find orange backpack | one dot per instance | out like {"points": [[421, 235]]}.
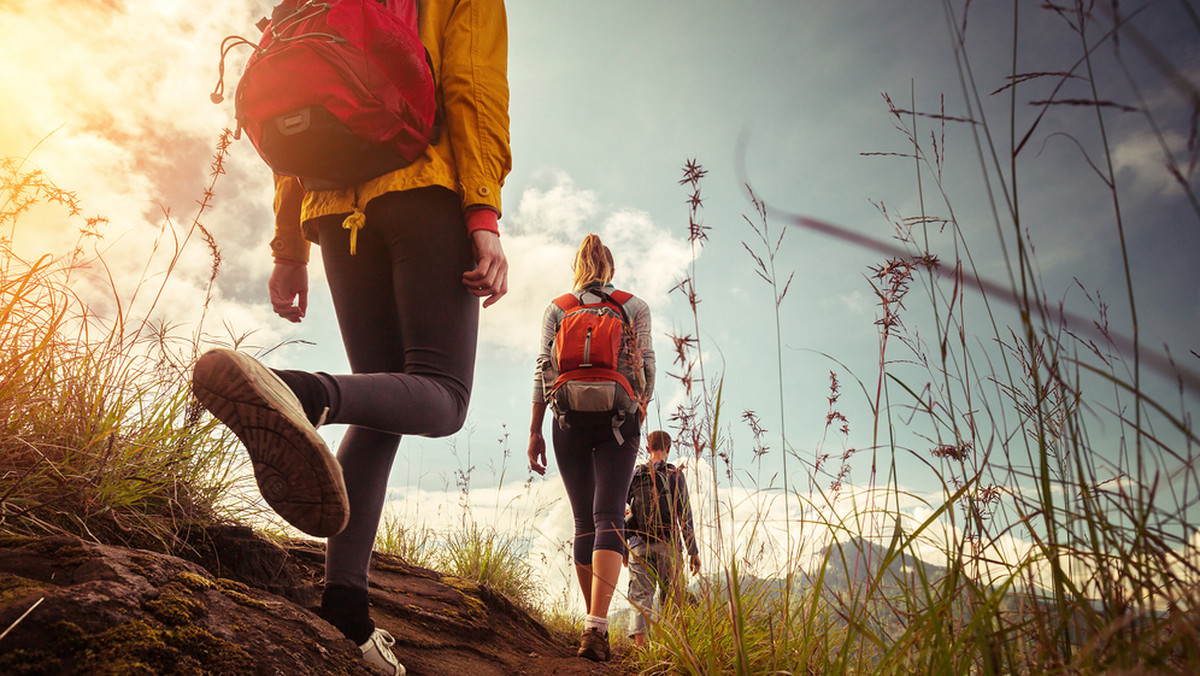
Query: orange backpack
{"points": [[590, 388]]}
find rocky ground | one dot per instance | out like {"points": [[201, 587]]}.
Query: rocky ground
{"points": [[244, 605]]}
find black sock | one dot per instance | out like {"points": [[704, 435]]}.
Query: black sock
{"points": [[348, 609], [310, 389]]}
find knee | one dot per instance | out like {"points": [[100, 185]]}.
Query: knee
{"points": [[452, 420], [449, 425]]}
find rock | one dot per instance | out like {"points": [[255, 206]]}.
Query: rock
{"points": [[238, 553], [248, 610], [108, 610]]}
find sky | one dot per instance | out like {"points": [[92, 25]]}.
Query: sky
{"points": [[609, 101]]}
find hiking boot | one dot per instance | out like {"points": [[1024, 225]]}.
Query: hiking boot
{"points": [[297, 475], [594, 645], [377, 651]]}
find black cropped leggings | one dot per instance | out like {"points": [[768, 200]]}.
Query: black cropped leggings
{"points": [[409, 327], [596, 472]]}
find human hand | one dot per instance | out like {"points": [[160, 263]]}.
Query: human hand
{"points": [[694, 560], [489, 279], [288, 289], [537, 453]]}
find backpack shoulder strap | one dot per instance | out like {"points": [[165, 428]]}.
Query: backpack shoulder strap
{"points": [[617, 299], [621, 297], [566, 301]]}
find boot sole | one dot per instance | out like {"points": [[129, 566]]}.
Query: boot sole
{"points": [[296, 474]]}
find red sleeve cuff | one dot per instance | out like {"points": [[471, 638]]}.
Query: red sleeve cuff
{"points": [[483, 218]]}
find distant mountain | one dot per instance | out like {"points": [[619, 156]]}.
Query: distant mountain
{"points": [[856, 562]]}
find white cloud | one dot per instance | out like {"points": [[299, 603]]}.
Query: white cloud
{"points": [[557, 211], [1139, 159], [648, 258], [121, 90], [855, 302], [540, 240]]}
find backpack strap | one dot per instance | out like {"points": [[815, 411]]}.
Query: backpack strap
{"points": [[617, 299], [566, 301], [621, 297]]}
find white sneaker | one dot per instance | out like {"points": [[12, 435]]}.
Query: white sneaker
{"points": [[297, 475], [377, 651]]}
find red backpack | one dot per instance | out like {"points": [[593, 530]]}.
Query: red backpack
{"points": [[336, 93], [590, 389]]}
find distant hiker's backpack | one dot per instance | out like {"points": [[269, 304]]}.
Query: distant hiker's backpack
{"points": [[590, 390], [336, 92], [651, 512]]}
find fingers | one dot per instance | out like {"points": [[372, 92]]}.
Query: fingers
{"points": [[489, 279], [282, 304], [537, 462], [537, 455], [538, 467], [288, 289], [497, 290]]}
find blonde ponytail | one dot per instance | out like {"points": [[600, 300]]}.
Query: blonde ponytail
{"points": [[593, 262]]}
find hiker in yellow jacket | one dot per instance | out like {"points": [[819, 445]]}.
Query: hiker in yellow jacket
{"points": [[407, 256]]}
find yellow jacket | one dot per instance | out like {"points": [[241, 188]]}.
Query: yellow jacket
{"points": [[467, 42]]}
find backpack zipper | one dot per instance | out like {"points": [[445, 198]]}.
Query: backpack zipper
{"points": [[587, 349]]}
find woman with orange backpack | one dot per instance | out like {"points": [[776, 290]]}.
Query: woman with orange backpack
{"points": [[595, 370]]}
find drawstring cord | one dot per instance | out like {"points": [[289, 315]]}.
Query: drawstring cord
{"points": [[278, 36], [227, 45], [354, 222]]}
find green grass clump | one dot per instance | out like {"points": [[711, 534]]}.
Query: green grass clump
{"points": [[412, 542], [492, 558], [99, 434]]}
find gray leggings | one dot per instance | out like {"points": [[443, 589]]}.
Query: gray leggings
{"points": [[409, 327]]}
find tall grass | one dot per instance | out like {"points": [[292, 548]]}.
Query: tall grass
{"points": [[99, 434], [1060, 540]]}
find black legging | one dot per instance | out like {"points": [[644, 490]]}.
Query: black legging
{"points": [[409, 327], [596, 472]]}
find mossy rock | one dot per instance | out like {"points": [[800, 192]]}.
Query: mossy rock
{"points": [[66, 552], [387, 566], [244, 600], [232, 585], [130, 648], [15, 587], [29, 663], [470, 594], [193, 581], [174, 605]]}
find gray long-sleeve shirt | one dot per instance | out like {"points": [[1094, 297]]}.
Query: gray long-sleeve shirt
{"points": [[636, 362]]}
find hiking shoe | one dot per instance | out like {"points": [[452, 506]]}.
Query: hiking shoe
{"points": [[594, 645], [377, 651], [297, 475]]}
